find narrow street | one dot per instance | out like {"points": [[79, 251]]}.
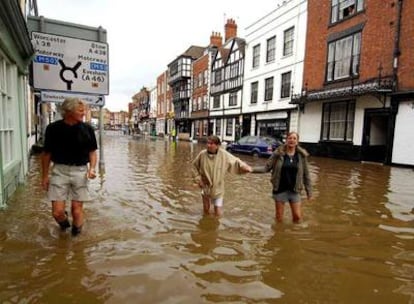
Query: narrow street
{"points": [[145, 239]]}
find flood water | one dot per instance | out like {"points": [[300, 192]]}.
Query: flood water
{"points": [[145, 239]]}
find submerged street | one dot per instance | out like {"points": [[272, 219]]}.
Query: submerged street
{"points": [[145, 239]]}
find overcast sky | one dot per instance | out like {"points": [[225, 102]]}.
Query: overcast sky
{"points": [[145, 36]]}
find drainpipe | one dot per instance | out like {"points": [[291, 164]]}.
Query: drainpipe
{"points": [[397, 51]]}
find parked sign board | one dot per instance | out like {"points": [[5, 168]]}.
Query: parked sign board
{"points": [[69, 64]]}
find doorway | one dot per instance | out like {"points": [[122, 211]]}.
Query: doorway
{"points": [[375, 135], [246, 125]]}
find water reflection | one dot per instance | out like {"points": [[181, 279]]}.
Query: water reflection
{"points": [[400, 199], [205, 238], [145, 239]]}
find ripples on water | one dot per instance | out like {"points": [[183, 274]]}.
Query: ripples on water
{"points": [[145, 240]]}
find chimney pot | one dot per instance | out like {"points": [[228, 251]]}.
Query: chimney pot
{"points": [[230, 29]]}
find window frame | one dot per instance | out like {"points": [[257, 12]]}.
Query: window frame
{"points": [[232, 99], [216, 102], [269, 85], [349, 8], [229, 126], [9, 82], [256, 56], [254, 92], [218, 126], [285, 86], [218, 76], [333, 60], [271, 49], [288, 41], [336, 122]]}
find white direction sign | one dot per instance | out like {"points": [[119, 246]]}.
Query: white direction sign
{"points": [[69, 64], [59, 97]]}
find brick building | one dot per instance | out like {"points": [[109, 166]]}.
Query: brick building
{"points": [[355, 65], [141, 110], [201, 89]]}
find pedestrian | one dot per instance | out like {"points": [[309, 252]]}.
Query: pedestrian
{"points": [[209, 169], [174, 134], [70, 144], [290, 175]]}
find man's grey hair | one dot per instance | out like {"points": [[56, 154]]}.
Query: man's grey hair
{"points": [[70, 105]]}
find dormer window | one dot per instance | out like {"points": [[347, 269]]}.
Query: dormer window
{"points": [[345, 8]]}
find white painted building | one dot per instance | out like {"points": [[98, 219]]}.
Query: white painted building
{"points": [[153, 109], [274, 55], [15, 55], [403, 147]]}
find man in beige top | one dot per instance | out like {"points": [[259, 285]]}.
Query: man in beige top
{"points": [[209, 169]]}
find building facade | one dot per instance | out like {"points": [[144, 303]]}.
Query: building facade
{"points": [[200, 114], [161, 124], [179, 80], [226, 86], [274, 70], [350, 74], [141, 106], [16, 52], [403, 97]]}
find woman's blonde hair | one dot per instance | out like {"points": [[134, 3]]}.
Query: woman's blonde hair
{"points": [[291, 133], [70, 105]]}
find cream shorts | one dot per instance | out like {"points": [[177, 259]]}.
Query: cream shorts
{"points": [[69, 183], [218, 202]]}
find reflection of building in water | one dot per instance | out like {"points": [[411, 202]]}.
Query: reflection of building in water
{"points": [[400, 194]]}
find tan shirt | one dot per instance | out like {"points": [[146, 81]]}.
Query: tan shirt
{"points": [[212, 168]]}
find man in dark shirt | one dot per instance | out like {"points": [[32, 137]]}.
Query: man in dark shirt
{"points": [[70, 144]]}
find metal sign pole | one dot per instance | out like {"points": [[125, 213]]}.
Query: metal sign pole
{"points": [[101, 131]]}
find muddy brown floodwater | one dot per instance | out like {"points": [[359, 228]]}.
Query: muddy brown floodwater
{"points": [[145, 239]]}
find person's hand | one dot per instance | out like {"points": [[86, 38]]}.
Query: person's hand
{"points": [[246, 168], [45, 183], [91, 173]]}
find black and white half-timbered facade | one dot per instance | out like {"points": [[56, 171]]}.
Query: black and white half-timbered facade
{"points": [[226, 86], [180, 71]]}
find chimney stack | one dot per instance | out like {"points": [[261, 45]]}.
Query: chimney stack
{"points": [[216, 39], [230, 29]]}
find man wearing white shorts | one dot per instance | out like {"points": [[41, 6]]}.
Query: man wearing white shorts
{"points": [[71, 145]]}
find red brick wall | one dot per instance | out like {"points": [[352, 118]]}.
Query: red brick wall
{"points": [[200, 66], [406, 62], [380, 19], [161, 97]]}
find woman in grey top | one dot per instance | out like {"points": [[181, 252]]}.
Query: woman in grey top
{"points": [[290, 175]]}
